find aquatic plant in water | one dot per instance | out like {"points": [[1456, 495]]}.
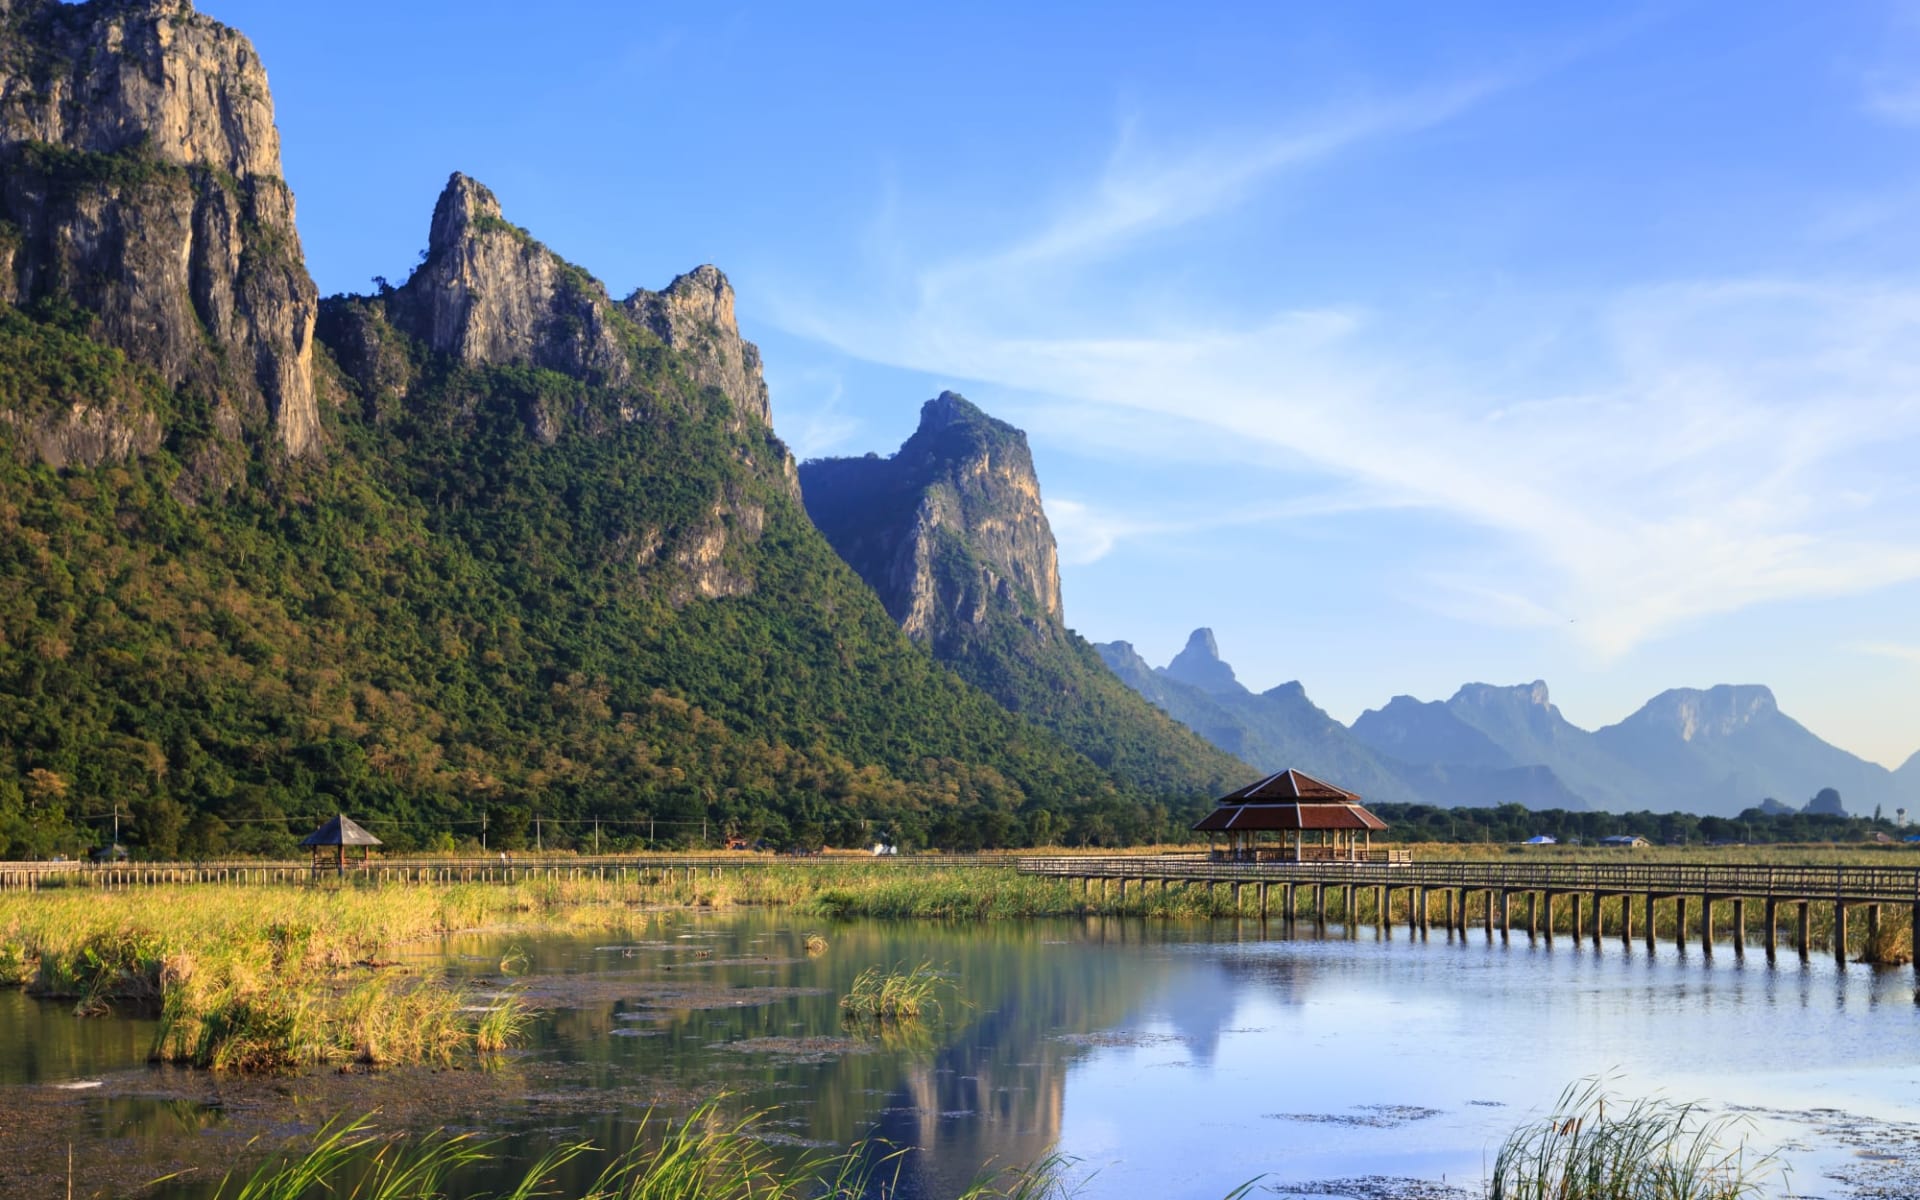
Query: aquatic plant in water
{"points": [[893, 995], [1596, 1147]]}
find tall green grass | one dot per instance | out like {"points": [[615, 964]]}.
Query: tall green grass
{"points": [[1594, 1147], [897, 994], [702, 1156]]}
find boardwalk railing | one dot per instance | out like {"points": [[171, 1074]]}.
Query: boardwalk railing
{"points": [[1859, 885], [514, 868], [1590, 891]]}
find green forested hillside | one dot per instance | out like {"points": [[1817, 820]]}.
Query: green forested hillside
{"points": [[444, 616]]}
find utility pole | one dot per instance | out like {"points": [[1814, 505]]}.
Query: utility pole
{"points": [[538, 846], [483, 831], [596, 837]]}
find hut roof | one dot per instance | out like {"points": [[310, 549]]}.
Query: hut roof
{"points": [[1268, 818], [341, 831], [1288, 800], [1291, 786]]}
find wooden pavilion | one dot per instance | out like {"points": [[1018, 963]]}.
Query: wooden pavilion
{"points": [[1290, 802], [330, 842]]}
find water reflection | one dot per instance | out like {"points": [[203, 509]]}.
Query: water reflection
{"points": [[1178, 1060]]}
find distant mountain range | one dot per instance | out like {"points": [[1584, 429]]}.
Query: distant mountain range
{"points": [[1715, 751]]}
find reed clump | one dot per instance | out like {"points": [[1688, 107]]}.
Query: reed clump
{"points": [[1891, 945], [897, 994], [1595, 1147]]}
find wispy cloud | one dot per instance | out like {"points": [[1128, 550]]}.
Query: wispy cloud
{"points": [[1088, 532], [1730, 445], [1897, 651]]}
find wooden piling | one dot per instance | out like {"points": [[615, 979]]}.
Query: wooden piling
{"points": [[1740, 926], [1840, 933], [1806, 927], [1680, 922], [1706, 925]]}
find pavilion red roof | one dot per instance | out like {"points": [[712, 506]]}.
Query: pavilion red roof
{"points": [[1293, 786], [1288, 800]]}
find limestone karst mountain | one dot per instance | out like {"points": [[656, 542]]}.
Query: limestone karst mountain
{"points": [[488, 543], [1716, 749], [140, 182], [1281, 726], [950, 532]]}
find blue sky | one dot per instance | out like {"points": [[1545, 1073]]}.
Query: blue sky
{"points": [[1402, 344]]}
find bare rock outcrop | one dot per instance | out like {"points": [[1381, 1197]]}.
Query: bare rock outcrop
{"points": [[950, 530], [694, 315], [140, 180]]}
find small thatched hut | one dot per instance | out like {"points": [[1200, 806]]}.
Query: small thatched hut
{"points": [[330, 842]]}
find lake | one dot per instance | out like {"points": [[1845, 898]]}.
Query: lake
{"points": [[1168, 1059]]}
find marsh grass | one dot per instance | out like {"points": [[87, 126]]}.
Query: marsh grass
{"points": [[897, 994], [703, 1156], [1594, 1147], [290, 977]]}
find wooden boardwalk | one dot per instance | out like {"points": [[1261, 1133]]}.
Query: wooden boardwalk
{"points": [[1582, 899], [519, 868]]}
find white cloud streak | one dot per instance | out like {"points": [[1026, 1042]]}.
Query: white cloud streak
{"points": [[1734, 452]]}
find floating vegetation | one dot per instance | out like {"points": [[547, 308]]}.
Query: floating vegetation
{"points": [[816, 944], [1644, 1149], [1363, 1116]]}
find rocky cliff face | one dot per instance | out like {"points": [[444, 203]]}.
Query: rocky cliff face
{"points": [[694, 315], [950, 530], [1717, 712], [951, 533], [488, 295], [140, 180]]}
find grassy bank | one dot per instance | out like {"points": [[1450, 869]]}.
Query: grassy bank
{"points": [[270, 978]]}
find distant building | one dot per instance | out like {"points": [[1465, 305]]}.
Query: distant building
{"points": [[1541, 839], [1625, 839]]}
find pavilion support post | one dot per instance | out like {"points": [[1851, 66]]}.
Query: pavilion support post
{"points": [[1706, 924], [1873, 925], [1626, 921], [1840, 933], [1680, 922], [1770, 913], [1263, 900], [1380, 910], [1806, 928], [1449, 908], [1235, 891], [1487, 916], [1740, 926], [1506, 914], [1579, 916], [1599, 917], [1650, 923], [1319, 904], [1549, 898]]}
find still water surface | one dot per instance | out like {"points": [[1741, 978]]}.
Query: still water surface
{"points": [[1173, 1060]]}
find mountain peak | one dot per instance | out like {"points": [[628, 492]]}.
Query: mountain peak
{"points": [[463, 203], [694, 314], [1199, 664], [950, 529], [1717, 711]]}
